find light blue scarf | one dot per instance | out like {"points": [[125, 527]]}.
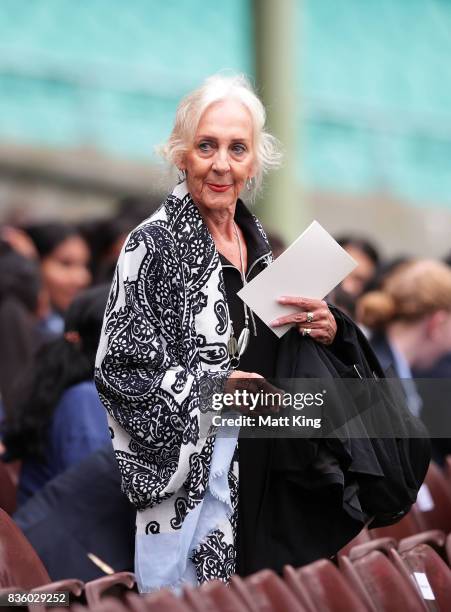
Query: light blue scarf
{"points": [[163, 559]]}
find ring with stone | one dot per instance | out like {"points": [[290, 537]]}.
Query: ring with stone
{"points": [[310, 317], [306, 331]]}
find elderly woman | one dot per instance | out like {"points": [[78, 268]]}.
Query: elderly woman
{"points": [[175, 333]]}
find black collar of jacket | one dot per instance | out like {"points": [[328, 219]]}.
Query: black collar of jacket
{"points": [[257, 245]]}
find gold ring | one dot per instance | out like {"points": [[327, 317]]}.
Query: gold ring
{"points": [[310, 317], [306, 331]]}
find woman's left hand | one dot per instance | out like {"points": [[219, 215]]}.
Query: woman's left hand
{"points": [[313, 318]]}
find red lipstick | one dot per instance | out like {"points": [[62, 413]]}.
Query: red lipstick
{"points": [[218, 188]]}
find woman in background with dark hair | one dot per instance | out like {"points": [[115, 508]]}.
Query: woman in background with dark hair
{"points": [[105, 238], [64, 256], [60, 419], [356, 283], [19, 289]]}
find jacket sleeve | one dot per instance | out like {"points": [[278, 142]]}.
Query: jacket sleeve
{"points": [[148, 373], [79, 426]]}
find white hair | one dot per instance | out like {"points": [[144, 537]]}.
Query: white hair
{"points": [[215, 89]]}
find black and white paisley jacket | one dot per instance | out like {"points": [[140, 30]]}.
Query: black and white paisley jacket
{"points": [[162, 355]]}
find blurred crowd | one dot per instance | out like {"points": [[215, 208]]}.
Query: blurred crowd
{"points": [[54, 283], [54, 437]]}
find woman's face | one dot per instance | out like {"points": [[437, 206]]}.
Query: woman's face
{"points": [[355, 282], [221, 157], [65, 271]]}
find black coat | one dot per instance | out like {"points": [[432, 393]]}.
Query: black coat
{"points": [[311, 496]]}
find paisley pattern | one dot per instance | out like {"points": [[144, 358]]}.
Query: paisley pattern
{"points": [[181, 510], [214, 559], [162, 356], [153, 527], [221, 315]]}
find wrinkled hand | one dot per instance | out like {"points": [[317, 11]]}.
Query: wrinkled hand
{"points": [[312, 318], [257, 386]]}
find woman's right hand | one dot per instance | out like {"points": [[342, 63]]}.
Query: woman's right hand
{"points": [[240, 374], [248, 385]]}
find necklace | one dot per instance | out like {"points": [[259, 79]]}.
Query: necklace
{"points": [[237, 347]]}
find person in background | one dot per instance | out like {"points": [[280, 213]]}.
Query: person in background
{"points": [[410, 315], [64, 257], [105, 238], [19, 289], [410, 319], [354, 285], [277, 244], [97, 530], [137, 207], [59, 419], [442, 367], [438, 374], [19, 241]]}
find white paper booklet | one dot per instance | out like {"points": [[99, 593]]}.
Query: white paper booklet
{"points": [[311, 267]]}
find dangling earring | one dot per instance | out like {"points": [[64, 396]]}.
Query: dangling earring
{"points": [[181, 175], [250, 183]]}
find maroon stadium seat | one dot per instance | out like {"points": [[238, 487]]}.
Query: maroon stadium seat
{"points": [[382, 586], [107, 604], [448, 548], [266, 591], [424, 560], [439, 515], [21, 567], [8, 490], [435, 538], [382, 544], [320, 586], [161, 601], [13, 468], [447, 469], [116, 584], [214, 595]]}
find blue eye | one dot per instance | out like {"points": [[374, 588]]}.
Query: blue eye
{"points": [[239, 148], [204, 146]]}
